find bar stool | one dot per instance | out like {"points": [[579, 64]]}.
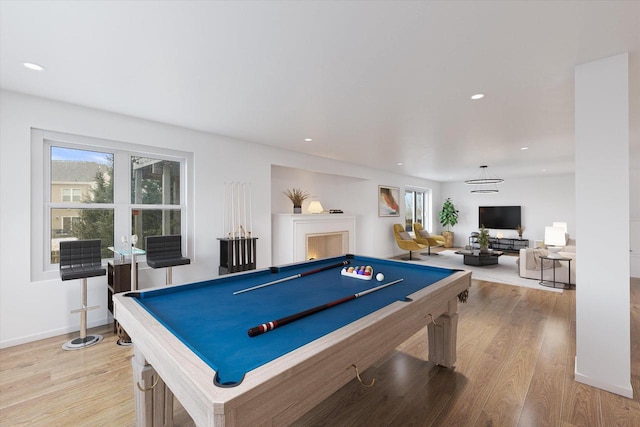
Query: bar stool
{"points": [[80, 259], [165, 252]]}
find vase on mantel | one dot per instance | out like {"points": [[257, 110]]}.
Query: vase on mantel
{"points": [[297, 209]]}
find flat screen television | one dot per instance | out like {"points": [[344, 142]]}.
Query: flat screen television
{"points": [[499, 217]]}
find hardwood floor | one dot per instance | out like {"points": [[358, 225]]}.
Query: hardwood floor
{"points": [[515, 366]]}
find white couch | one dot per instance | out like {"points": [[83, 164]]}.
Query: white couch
{"points": [[529, 264]]}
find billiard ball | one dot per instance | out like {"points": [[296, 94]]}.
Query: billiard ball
{"points": [[379, 277]]}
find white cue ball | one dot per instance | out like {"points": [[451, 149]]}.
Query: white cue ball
{"points": [[379, 277]]}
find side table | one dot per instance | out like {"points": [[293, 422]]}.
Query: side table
{"points": [[553, 282], [117, 282]]}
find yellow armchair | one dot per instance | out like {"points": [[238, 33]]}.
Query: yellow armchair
{"points": [[405, 242], [433, 240]]}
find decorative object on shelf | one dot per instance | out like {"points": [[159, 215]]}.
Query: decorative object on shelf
{"points": [[484, 182], [315, 207], [520, 230], [483, 239], [448, 217], [237, 218], [297, 196], [388, 201]]}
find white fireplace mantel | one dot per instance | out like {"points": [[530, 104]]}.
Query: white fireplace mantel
{"points": [[289, 232]]}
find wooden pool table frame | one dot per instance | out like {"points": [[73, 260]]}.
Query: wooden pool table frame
{"points": [[282, 390]]}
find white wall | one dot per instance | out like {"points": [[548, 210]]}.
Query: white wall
{"points": [[34, 310], [354, 190], [603, 350], [543, 199]]}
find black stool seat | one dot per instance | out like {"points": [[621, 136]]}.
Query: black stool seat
{"points": [[71, 272], [80, 259], [165, 252], [167, 262]]}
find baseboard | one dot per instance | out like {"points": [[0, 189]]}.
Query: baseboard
{"points": [[51, 333], [585, 379]]}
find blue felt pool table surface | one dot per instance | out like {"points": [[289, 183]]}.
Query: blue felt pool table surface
{"points": [[213, 322]]}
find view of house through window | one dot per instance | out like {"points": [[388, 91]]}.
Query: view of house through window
{"points": [[415, 208], [81, 197], [82, 200]]}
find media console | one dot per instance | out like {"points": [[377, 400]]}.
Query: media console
{"points": [[502, 244]]}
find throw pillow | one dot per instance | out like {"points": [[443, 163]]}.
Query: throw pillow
{"points": [[423, 233], [405, 236]]}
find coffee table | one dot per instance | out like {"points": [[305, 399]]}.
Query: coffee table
{"points": [[479, 258]]}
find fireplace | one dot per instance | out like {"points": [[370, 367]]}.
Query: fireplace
{"points": [[324, 245], [299, 237]]}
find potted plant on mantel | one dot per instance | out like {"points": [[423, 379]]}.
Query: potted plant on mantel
{"points": [[448, 218], [297, 196], [483, 239]]}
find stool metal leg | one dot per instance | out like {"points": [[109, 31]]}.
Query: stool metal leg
{"points": [[169, 278], [84, 340]]}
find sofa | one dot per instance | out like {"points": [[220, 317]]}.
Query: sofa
{"points": [[529, 264]]}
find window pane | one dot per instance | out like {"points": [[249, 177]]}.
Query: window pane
{"points": [[81, 176], [420, 208], [154, 222], [81, 224], [408, 212], [155, 182]]}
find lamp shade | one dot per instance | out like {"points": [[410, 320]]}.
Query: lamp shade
{"points": [[315, 207], [554, 236], [562, 225]]}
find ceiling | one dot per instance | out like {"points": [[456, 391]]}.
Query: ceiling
{"points": [[372, 83]]}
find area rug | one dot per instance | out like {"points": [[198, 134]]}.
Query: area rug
{"points": [[506, 271]]}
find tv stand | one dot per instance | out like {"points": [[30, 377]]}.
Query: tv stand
{"points": [[503, 244]]}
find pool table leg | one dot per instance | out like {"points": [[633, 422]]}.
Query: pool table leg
{"points": [[153, 399], [443, 337]]}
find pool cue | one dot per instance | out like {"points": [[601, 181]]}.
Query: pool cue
{"points": [[266, 327], [295, 276]]}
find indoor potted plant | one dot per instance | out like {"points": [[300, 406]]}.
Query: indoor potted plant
{"points": [[297, 196], [448, 218], [483, 239]]}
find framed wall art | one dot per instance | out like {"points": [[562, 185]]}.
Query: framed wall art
{"points": [[388, 201]]}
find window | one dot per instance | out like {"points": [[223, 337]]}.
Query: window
{"points": [[155, 194], [85, 211], [416, 208], [71, 194], [97, 189]]}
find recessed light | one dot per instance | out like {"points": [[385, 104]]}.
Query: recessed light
{"points": [[32, 66], [308, 139], [477, 96], [543, 170], [399, 163], [524, 148]]}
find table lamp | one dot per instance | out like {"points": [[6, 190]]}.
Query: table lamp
{"points": [[555, 239], [315, 207]]}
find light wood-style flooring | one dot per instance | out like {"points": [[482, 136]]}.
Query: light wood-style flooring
{"points": [[516, 349]]}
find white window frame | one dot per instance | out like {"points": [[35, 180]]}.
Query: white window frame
{"points": [[41, 142]]}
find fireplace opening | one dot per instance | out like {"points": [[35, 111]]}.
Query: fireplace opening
{"points": [[324, 245]]}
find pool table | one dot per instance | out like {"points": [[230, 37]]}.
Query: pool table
{"points": [[194, 339]]}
